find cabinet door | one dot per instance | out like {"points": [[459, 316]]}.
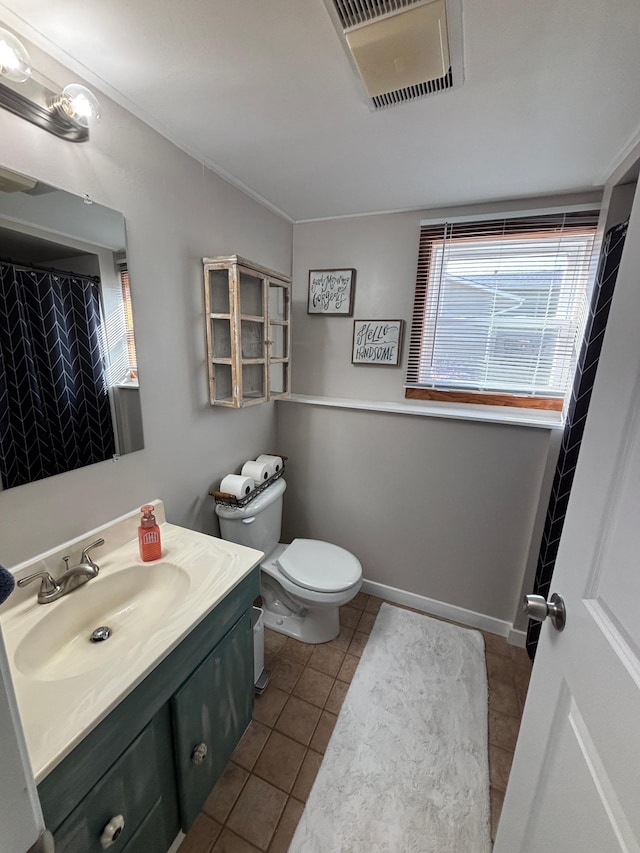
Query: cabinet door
{"points": [[279, 340], [210, 713], [150, 835], [220, 289], [251, 336], [140, 779]]}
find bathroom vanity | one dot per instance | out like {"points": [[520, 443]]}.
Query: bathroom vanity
{"points": [[126, 742]]}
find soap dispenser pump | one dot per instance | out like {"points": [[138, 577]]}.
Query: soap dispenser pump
{"points": [[149, 535]]}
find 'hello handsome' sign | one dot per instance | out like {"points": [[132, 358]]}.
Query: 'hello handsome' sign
{"points": [[377, 341]]}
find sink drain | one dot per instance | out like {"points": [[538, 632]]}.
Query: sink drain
{"points": [[101, 634]]}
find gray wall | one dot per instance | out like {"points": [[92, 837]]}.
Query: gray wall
{"points": [[176, 212], [384, 251], [439, 507]]}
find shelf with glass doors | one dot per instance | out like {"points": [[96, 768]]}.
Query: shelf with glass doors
{"points": [[248, 309]]}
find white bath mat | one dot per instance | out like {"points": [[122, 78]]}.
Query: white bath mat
{"points": [[407, 766]]}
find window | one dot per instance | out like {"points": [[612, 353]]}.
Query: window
{"points": [[499, 310]]}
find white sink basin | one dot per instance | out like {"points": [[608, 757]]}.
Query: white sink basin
{"points": [[133, 602]]}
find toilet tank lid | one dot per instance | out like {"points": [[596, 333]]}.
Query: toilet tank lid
{"points": [[268, 496], [320, 566]]}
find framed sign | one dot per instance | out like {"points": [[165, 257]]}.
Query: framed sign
{"points": [[331, 292], [377, 342]]}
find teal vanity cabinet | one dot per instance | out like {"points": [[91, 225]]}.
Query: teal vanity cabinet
{"points": [[145, 771]]}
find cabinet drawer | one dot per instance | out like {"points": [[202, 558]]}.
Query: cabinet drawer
{"points": [[210, 712], [130, 788]]}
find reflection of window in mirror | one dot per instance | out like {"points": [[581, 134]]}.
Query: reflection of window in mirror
{"points": [[121, 344], [132, 372]]}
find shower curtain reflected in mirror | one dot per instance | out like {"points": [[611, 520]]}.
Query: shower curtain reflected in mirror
{"points": [[55, 412]]}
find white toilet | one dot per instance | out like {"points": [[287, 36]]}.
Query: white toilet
{"points": [[304, 584]]}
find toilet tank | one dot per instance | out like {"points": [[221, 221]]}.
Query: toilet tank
{"points": [[259, 523]]}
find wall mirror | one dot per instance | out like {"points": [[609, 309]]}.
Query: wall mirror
{"points": [[69, 390]]}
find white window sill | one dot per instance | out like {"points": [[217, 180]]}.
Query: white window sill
{"points": [[457, 411], [126, 383]]}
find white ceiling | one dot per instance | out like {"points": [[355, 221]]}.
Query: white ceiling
{"points": [[262, 91]]}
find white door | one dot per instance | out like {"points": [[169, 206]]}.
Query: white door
{"points": [[575, 781], [20, 816]]}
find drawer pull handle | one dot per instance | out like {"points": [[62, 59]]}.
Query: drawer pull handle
{"points": [[199, 753], [112, 832]]}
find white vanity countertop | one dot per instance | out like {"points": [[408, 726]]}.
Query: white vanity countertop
{"points": [[58, 705]]}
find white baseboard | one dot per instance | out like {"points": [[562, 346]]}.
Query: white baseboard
{"points": [[445, 611], [517, 638]]}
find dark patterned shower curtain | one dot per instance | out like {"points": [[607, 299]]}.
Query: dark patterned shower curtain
{"points": [[576, 417], [55, 413]]}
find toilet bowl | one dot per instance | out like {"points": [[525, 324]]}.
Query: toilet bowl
{"points": [[303, 584]]}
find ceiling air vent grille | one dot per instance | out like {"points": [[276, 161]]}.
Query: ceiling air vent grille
{"points": [[401, 49], [354, 12], [410, 93]]}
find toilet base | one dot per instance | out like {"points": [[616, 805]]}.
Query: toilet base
{"points": [[318, 625], [303, 618]]}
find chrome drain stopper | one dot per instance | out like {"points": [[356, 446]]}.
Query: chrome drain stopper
{"points": [[100, 634]]}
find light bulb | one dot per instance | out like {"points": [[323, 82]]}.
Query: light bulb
{"points": [[80, 104], [14, 59]]}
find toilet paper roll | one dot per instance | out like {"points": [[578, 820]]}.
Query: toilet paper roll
{"points": [[265, 460], [258, 471], [275, 461], [237, 485], [269, 466]]}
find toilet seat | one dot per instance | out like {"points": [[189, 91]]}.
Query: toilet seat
{"points": [[319, 566]]}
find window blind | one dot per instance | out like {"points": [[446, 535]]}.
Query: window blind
{"points": [[128, 319], [500, 308]]}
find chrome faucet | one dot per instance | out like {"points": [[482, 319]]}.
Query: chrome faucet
{"points": [[51, 590]]}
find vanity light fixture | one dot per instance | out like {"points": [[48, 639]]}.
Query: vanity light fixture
{"points": [[26, 93], [14, 59], [79, 104]]}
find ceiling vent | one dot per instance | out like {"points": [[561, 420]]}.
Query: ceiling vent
{"points": [[401, 49]]}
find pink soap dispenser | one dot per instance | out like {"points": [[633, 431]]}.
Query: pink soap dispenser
{"points": [[149, 535]]}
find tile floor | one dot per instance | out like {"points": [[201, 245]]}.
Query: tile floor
{"points": [[256, 804]]}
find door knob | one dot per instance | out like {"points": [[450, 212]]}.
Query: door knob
{"points": [[537, 607]]}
